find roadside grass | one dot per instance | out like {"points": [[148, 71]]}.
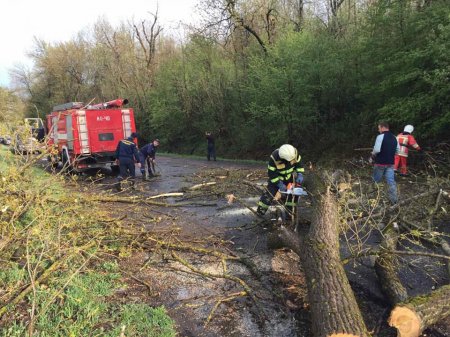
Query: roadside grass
{"points": [[59, 269]]}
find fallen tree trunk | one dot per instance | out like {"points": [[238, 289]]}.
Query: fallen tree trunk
{"points": [[412, 317], [333, 304], [386, 268], [409, 316], [334, 310]]}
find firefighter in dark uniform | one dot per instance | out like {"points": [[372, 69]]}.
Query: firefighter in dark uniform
{"points": [[127, 155], [284, 168], [147, 156]]}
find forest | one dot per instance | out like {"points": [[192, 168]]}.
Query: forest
{"points": [[260, 73]]}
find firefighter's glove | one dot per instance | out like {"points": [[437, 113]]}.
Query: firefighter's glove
{"points": [[281, 187], [299, 179]]}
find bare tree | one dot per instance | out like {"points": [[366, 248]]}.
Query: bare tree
{"points": [[224, 17]]}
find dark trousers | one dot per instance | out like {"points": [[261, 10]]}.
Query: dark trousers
{"points": [[146, 161], [211, 151], [126, 169]]}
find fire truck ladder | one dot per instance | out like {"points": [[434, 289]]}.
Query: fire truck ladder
{"points": [[126, 123], [83, 132]]}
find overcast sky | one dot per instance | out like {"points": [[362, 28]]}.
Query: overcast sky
{"points": [[60, 20]]}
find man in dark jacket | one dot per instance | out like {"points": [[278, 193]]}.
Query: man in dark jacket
{"points": [[147, 156], [284, 167], [127, 155], [211, 146], [383, 156]]}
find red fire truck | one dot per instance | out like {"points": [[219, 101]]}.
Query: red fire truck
{"points": [[85, 137]]}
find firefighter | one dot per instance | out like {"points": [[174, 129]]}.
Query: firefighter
{"points": [[405, 139], [126, 156], [147, 156], [284, 166]]}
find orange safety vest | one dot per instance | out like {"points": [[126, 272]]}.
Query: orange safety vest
{"points": [[404, 141]]}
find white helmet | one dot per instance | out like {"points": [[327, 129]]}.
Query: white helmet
{"points": [[408, 128], [287, 152]]}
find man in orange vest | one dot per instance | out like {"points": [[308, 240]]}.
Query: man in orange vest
{"points": [[405, 139]]}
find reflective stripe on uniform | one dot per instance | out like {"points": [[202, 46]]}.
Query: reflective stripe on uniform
{"points": [[263, 205], [279, 164], [274, 180], [300, 169], [287, 171], [271, 168]]}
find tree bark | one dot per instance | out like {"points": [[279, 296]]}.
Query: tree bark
{"points": [[412, 317], [333, 304], [334, 309], [386, 268]]}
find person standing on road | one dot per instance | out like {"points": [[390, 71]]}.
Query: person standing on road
{"points": [[383, 153], [211, 146], [405, 139], [126, 156], [284, 165], [147, 156]]}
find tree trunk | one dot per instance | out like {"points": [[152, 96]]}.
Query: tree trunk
{"points": [[418, 313], [386, 268], [334, 309], [333, 305]]}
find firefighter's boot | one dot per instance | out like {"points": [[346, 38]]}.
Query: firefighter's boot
{"points": [[261, 210], [118, 185]]}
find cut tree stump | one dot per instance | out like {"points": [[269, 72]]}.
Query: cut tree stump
{"points": [[418, 313]]}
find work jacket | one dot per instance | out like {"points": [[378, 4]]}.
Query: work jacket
{"points": [[385, 148], [282, 170], [406, 139], [126, 149], [149, 150]]}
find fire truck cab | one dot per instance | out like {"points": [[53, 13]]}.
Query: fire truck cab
{"points": [[85, 137]]}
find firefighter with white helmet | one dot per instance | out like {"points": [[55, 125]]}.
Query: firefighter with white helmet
{"points": [[284, 167], [405, 139]]}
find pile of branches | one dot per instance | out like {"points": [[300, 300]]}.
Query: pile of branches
{"points": [[351, 211]]}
